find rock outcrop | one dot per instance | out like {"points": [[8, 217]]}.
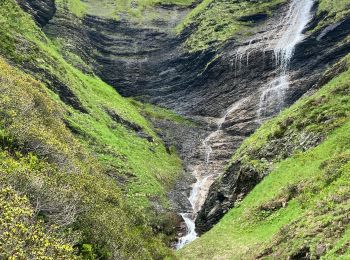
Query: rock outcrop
{"points": [[41, 10], [149, 62], [312, 57]]}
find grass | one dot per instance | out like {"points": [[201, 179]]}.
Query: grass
{"points": [[156, 112], [67, 186], [333, 11], [239, 234], [313, 184], [98, 128], [76, 7], [121, 148], [214, 22], [312, 117], [117, 9], [96, 144]]}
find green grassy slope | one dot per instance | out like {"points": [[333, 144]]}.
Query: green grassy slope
{"points": [[80, 143], [332, 11], [139, 10], [302, 206], [215, 22]]}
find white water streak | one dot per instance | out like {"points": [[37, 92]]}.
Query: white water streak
{"points": [[291, 26], [201, 187]]}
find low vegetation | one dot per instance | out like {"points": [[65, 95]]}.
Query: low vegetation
{"points": [[121, 9], [300, 208], [23, 236], [75, 150], [214, 22], [331, 12], [160, 113]]}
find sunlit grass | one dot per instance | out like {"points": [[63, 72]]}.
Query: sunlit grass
{"points": [[320, 175]]}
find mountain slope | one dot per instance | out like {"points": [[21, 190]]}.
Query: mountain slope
{"points": [[84, 147], [326, 40], [300, 210], [87, 173]]}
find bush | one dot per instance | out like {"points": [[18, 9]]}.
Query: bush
{"points": [[22, 236]]}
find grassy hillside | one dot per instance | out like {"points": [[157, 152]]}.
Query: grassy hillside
{"points": [[301, 208], [119, 9], [75, 149], [332, 12], [214, 22]]}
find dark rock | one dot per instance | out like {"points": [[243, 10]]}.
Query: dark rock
{"points": [[41, 10], [302, 254], [232, 186], [60, 88], [253, 18], [130, 125], [116, 117]]}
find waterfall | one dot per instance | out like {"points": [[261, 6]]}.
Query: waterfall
{"points": [[289, 34], [291, 28], [201, 186], [189, 218]]}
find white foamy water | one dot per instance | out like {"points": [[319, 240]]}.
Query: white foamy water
{"points": [[291, 28], [189, 218], [271, 99], [201, 187]]}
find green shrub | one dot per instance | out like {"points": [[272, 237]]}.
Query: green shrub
{"points": [[22, 236]]}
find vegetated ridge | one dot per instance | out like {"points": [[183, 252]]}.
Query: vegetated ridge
{"points": [[88, 173]]}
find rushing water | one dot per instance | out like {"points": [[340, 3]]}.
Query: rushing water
{"points": [[271, 101], [291, 27], [201, 186]]}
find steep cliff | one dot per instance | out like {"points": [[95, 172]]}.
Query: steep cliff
{"points": [[295, 168], [107, 174], [325, 43]]}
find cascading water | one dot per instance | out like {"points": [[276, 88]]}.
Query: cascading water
{"points": [[291, 27], [271, 101], [201, 186], [189, 218]]}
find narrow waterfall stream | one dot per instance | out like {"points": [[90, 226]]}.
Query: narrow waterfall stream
{"points": [[201, 187], [291, 28], [290, 33]]}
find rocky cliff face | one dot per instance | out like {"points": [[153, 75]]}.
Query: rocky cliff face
{"points": [[149, 62], [313, 56], [42, 11]]}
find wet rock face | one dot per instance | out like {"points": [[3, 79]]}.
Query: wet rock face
{"points": [[317, 53], [312, 57], [145, 62], [41, 10], [149, 62], [231, 187]]}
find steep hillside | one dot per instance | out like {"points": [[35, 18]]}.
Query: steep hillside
{"points": [[130, 127], [326, 30], [301, 209], [76, 149]]}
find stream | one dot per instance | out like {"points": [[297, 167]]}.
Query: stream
{"points": [[290, 33]]}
